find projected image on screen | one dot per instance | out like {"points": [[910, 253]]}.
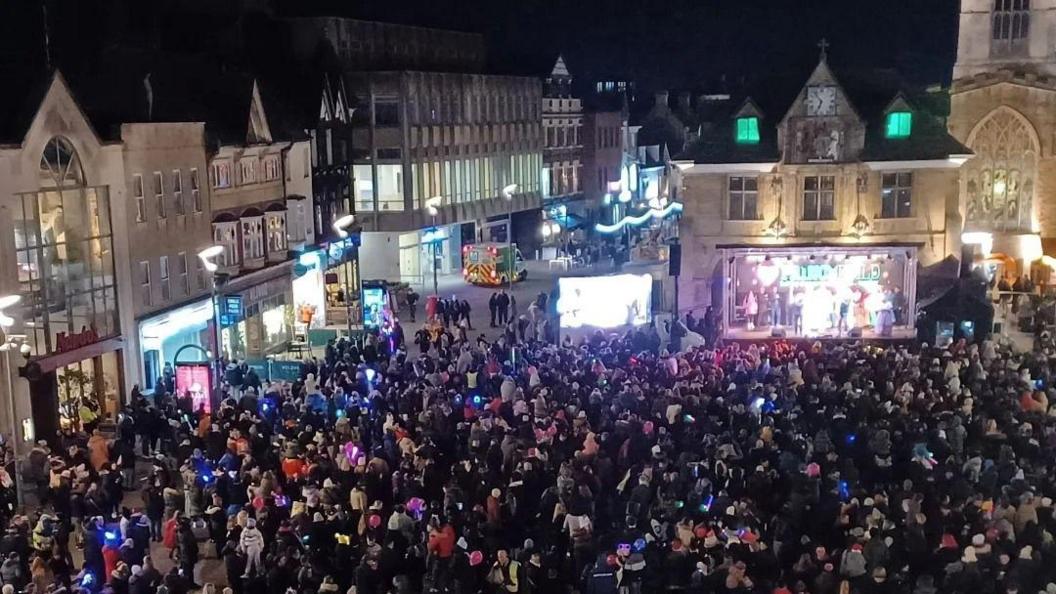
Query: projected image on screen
{"points": [[604, 301]]}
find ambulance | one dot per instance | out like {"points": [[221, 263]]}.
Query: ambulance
{"points": [[489, 264]]}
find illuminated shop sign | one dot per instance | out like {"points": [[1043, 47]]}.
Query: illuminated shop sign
{"points": [[820, 273]]}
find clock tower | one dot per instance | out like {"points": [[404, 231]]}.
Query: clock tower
{"points": [[821, 125]]}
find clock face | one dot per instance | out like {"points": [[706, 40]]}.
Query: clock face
{"points": [[821, 101]]}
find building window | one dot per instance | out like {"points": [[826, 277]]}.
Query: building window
{"points": [[177, 191], [226, 234], [163, 278], [744, 198], [271, 167], [1010, 26], [253, 238], [137, 193], [899, 124], [748, 130], [819, 195], [203, 278], [196, 194], [247, 169], [220, 174], [144, 283], [63, 252], [387, 112], [896, 194], [276, 233], [159, 193], [184, 269]]}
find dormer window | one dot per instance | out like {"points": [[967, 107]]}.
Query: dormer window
{"points": [[748, 130], [899, 124]]}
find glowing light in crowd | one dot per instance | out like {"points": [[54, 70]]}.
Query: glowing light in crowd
{"points": [[706, 506], [636, 221]]}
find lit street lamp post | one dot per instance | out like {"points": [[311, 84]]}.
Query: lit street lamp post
{"points": [[340, 227], [207, 257], [432, 205], [508, 193], [6, 322]]}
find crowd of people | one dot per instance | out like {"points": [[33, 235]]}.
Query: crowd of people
{"points": [[601, 465]]}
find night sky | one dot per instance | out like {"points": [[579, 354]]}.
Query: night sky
{"points": [[657, 43], [695, 42]]}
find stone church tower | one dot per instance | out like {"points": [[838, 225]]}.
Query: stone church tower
{"points": [[1003, 107]]}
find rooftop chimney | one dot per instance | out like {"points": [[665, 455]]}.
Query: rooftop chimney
{"points": [[661, 99], [683, 100]]}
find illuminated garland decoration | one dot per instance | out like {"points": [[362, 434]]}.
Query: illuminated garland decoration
{"points": [[653, 213]]}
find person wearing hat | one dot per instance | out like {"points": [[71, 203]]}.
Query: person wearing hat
{"points": [[251, 544]]}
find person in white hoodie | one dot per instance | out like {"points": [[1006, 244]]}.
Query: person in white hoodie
{"points": [[251, 543]]}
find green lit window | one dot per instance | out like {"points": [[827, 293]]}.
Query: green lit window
{"points": [[899, 124], [748, 130]]}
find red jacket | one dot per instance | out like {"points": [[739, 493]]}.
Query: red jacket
{"points": [[111, 556], [168, 533]]}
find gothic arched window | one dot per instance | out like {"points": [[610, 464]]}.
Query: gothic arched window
{"points": [[59, 164], [999, 179], [1009, 26]]}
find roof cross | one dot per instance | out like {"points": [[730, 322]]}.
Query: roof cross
{"points": [[824, 45]]}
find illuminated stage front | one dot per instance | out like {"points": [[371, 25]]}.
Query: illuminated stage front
{"points": [[819, 291]]}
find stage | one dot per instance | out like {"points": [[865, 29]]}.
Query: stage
{"points": [[819, 292]]}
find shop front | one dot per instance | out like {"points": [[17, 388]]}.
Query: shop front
{"points": [[434, 249], [819, 291], [165, 335], [326, 287], [78, 386], [342, 283], [257, 320]]}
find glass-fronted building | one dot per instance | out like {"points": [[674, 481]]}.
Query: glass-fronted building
{"points": [[64, 247]]}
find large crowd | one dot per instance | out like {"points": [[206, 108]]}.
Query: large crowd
{"points": [[600, 465]]}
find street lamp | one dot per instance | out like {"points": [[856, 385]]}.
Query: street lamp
{"points": [[207, 257], [6, 322], [433, 206], [340, 227], [343, 223], [508, 193]]}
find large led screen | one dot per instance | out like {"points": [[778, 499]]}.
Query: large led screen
{"points": [[604, 301]]}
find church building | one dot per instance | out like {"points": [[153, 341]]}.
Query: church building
{"points": [[1003, 107]]}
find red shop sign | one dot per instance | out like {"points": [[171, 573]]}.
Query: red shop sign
{"points": [[68, 342]]}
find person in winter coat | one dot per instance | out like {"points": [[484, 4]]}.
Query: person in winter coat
{"points": [[601, 578], [187, 550], [11, 571], [99, 450], [170, 531], [251, 544], [853, 564]]}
